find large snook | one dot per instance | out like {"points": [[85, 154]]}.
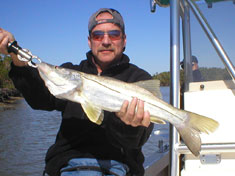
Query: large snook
{"points": [[97, 93]]}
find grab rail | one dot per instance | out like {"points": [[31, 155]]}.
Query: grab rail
{"points": [[209, 148]]}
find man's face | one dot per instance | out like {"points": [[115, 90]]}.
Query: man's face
{"points": [[194, 66], [106, 49]]}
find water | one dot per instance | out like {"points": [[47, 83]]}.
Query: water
{"points": [[160, 132], [26, 134]]}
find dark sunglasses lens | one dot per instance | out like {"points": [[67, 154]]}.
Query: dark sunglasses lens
{"points": [[114, 35], [97, 35]]}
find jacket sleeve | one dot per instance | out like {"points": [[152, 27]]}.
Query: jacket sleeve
{"points": [[126, 135], [28, 81]]}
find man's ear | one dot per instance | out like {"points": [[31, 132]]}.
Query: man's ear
{"points": [[89, 42], [124, 40]]}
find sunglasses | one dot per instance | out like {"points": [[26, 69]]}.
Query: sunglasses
{"points": [[99, 35]]}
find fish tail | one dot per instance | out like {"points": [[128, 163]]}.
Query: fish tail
{"points": [[194, 125]]}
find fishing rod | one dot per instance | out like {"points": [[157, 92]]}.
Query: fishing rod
{"points": [[23, 54]]}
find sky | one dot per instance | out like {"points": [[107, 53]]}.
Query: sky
{"points": [[56, 30]]}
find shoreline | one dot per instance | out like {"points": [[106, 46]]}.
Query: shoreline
{"points": [[8, 98], [9, 103]]}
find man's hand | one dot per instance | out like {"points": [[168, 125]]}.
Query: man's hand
{"points": [[130, 116], [5, 38]]}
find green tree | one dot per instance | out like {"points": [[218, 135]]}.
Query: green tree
{"points": [[165, 78], [214, 73], [5, 81]]}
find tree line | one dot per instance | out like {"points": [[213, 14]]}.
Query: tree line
{"points": [[208, 74]]}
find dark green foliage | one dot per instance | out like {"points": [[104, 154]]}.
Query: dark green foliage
{"points": [[210, 74], [164, 78], [5, 81]]}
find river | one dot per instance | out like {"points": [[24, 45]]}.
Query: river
{"points": [[26, 134]]}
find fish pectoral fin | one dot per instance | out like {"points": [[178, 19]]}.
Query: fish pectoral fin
{"points": [[157, 120], [94, 113], [152, 85]]}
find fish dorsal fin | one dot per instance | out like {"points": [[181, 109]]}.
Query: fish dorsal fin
{"points": [[94, 113], [152, 85]]}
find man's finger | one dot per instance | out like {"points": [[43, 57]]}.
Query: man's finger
{"points": [[131, 110], [123, 109], [146, 120], [139, 114]]}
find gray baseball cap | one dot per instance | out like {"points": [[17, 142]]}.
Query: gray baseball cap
{"points": [[194, 59], [117, 19]]}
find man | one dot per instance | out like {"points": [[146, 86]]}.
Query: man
{"points": [[82, 147], [197, 77]]}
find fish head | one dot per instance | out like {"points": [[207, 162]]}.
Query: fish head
{"points": [[59, 80]]}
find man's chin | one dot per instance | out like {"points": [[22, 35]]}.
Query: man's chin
{"points": [[106, 57]]}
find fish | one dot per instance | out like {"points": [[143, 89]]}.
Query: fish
{"points": [[98, 93]]}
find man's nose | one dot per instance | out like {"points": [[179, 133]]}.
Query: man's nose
{"points": [[106, 40]]}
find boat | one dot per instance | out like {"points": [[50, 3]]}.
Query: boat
{"points": [[212, 98]]}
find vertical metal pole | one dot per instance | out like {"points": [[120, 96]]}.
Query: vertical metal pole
{"points": [[175, 75], [188, 77]]}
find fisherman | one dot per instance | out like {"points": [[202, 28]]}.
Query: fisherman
{"points": [[82, 147], [197, 76]]}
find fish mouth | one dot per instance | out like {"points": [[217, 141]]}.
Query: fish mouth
{"points": [[43, 70]]}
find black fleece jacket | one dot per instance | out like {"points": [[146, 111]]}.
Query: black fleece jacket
{"points": [[77, 136]]}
